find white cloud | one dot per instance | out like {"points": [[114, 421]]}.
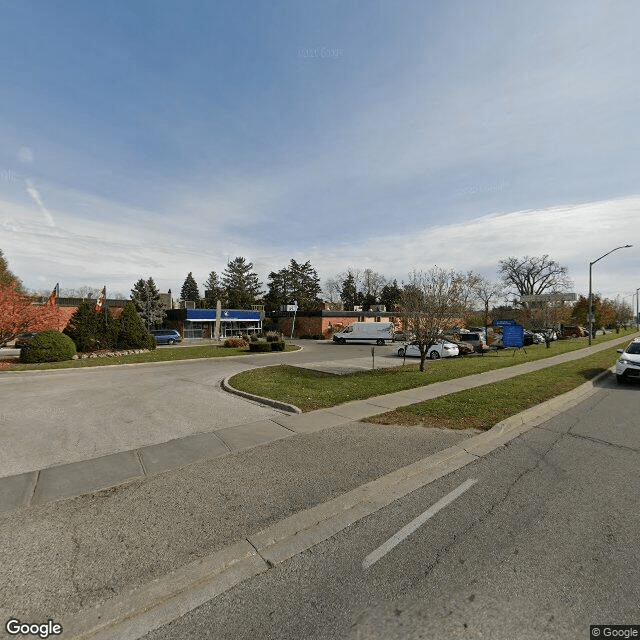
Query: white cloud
{"points": [[25, 155], [35, 196], [117, 252]]}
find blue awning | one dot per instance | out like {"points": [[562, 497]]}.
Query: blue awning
{"points": [[227, 315]]}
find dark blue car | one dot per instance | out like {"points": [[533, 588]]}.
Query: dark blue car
{"points": [[166, 336]]}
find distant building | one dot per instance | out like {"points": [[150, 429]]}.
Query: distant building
{"points": [[200, 323], [326, 323]]}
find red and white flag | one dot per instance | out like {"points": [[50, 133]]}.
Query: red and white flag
{"points": [[53, 298], [100, 302]]}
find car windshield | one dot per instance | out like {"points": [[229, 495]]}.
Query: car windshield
{"points": [[634, 347]]}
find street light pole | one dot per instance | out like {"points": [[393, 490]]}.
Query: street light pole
{"points": [[624, 246]]}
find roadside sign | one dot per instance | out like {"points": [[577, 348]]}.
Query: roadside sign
{"points": [[513, 335], [503, 323]]}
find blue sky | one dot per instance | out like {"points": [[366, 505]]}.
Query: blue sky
{"points": [[156, 138]]}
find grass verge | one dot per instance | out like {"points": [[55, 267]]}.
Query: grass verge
{"points": [[159, 355], [483, 407], [311, 390]]}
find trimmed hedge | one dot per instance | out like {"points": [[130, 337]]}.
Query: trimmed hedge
{"points": [[48, 346], [277, 346], [235, 342], [260, 347]]}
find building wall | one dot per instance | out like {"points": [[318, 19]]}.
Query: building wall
{"points": [[326, 325]]}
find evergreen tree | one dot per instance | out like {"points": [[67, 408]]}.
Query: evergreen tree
{"points": [[278, 290], [132, 333], [189, 289], [241, 285], [213, 291], [7, 277], [305, 285], [390, 295], [146, 298], [85, 328], [349, 293]]}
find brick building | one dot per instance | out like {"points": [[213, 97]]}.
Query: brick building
{"points": [[326, 323]]}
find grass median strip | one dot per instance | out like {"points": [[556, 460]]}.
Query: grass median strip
{"points": [[311, 390], [483, 407]]}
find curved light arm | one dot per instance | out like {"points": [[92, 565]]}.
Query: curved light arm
{"points": [[624, 246]]}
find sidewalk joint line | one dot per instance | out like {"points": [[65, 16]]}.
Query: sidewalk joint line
{"points": [[266, 560], [141, 462]]}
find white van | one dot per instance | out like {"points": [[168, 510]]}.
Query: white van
{"points": [[378, 332]]}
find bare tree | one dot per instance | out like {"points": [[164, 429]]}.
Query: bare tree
{"points": [[372, 283], [433, 302], [533, 275], [485, 291], [332, 288]]}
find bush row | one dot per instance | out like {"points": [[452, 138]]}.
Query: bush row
{"points": [[91, 331]]}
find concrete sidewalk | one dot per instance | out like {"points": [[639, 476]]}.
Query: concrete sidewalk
{"points": [[79, 478]]}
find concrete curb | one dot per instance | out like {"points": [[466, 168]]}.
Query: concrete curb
{"points": [[140, 364], [276, 404], [137, 612]]}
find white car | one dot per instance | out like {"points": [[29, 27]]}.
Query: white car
{"points": [[628, 364], [441, 349]]}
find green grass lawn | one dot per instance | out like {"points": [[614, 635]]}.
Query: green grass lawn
{"points": [[310, 390], [485, 406], [158, 355]]}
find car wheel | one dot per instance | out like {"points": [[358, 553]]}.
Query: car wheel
{"points": [[172, 341], [619, 378], [380, 342], [401, 353], [434, 355]]}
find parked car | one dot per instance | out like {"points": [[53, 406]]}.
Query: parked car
{"points": [[378, 332], [628, 364], [475, 339], [464, 348], [440, 349], [574, 331], [24, 338], [166, 336], [403, 336]]}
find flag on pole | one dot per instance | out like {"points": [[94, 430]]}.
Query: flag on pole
{"points": [[100, 301], [53, 298]]}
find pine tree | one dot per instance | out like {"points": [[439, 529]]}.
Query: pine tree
{"points": [[132, 333], [7, 277], [189, 289], [241, 284], [305, 285], [146, 298], [390, 295], [84, 327], [213, 291], [349, 294], [278, 292]]}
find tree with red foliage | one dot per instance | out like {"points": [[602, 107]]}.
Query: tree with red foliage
{"points": [[18, 315]]}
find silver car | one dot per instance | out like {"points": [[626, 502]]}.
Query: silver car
{"points": [[440, 349], [628, 364]]}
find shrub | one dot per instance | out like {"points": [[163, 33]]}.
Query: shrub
{"points": [[272, 336], [254, 338], [235, 342], [277, 346], [48, 346], [260, 347], [132, 333]]}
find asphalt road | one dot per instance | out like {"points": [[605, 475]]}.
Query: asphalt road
{"points": [[542, 545], [55, 417]]}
